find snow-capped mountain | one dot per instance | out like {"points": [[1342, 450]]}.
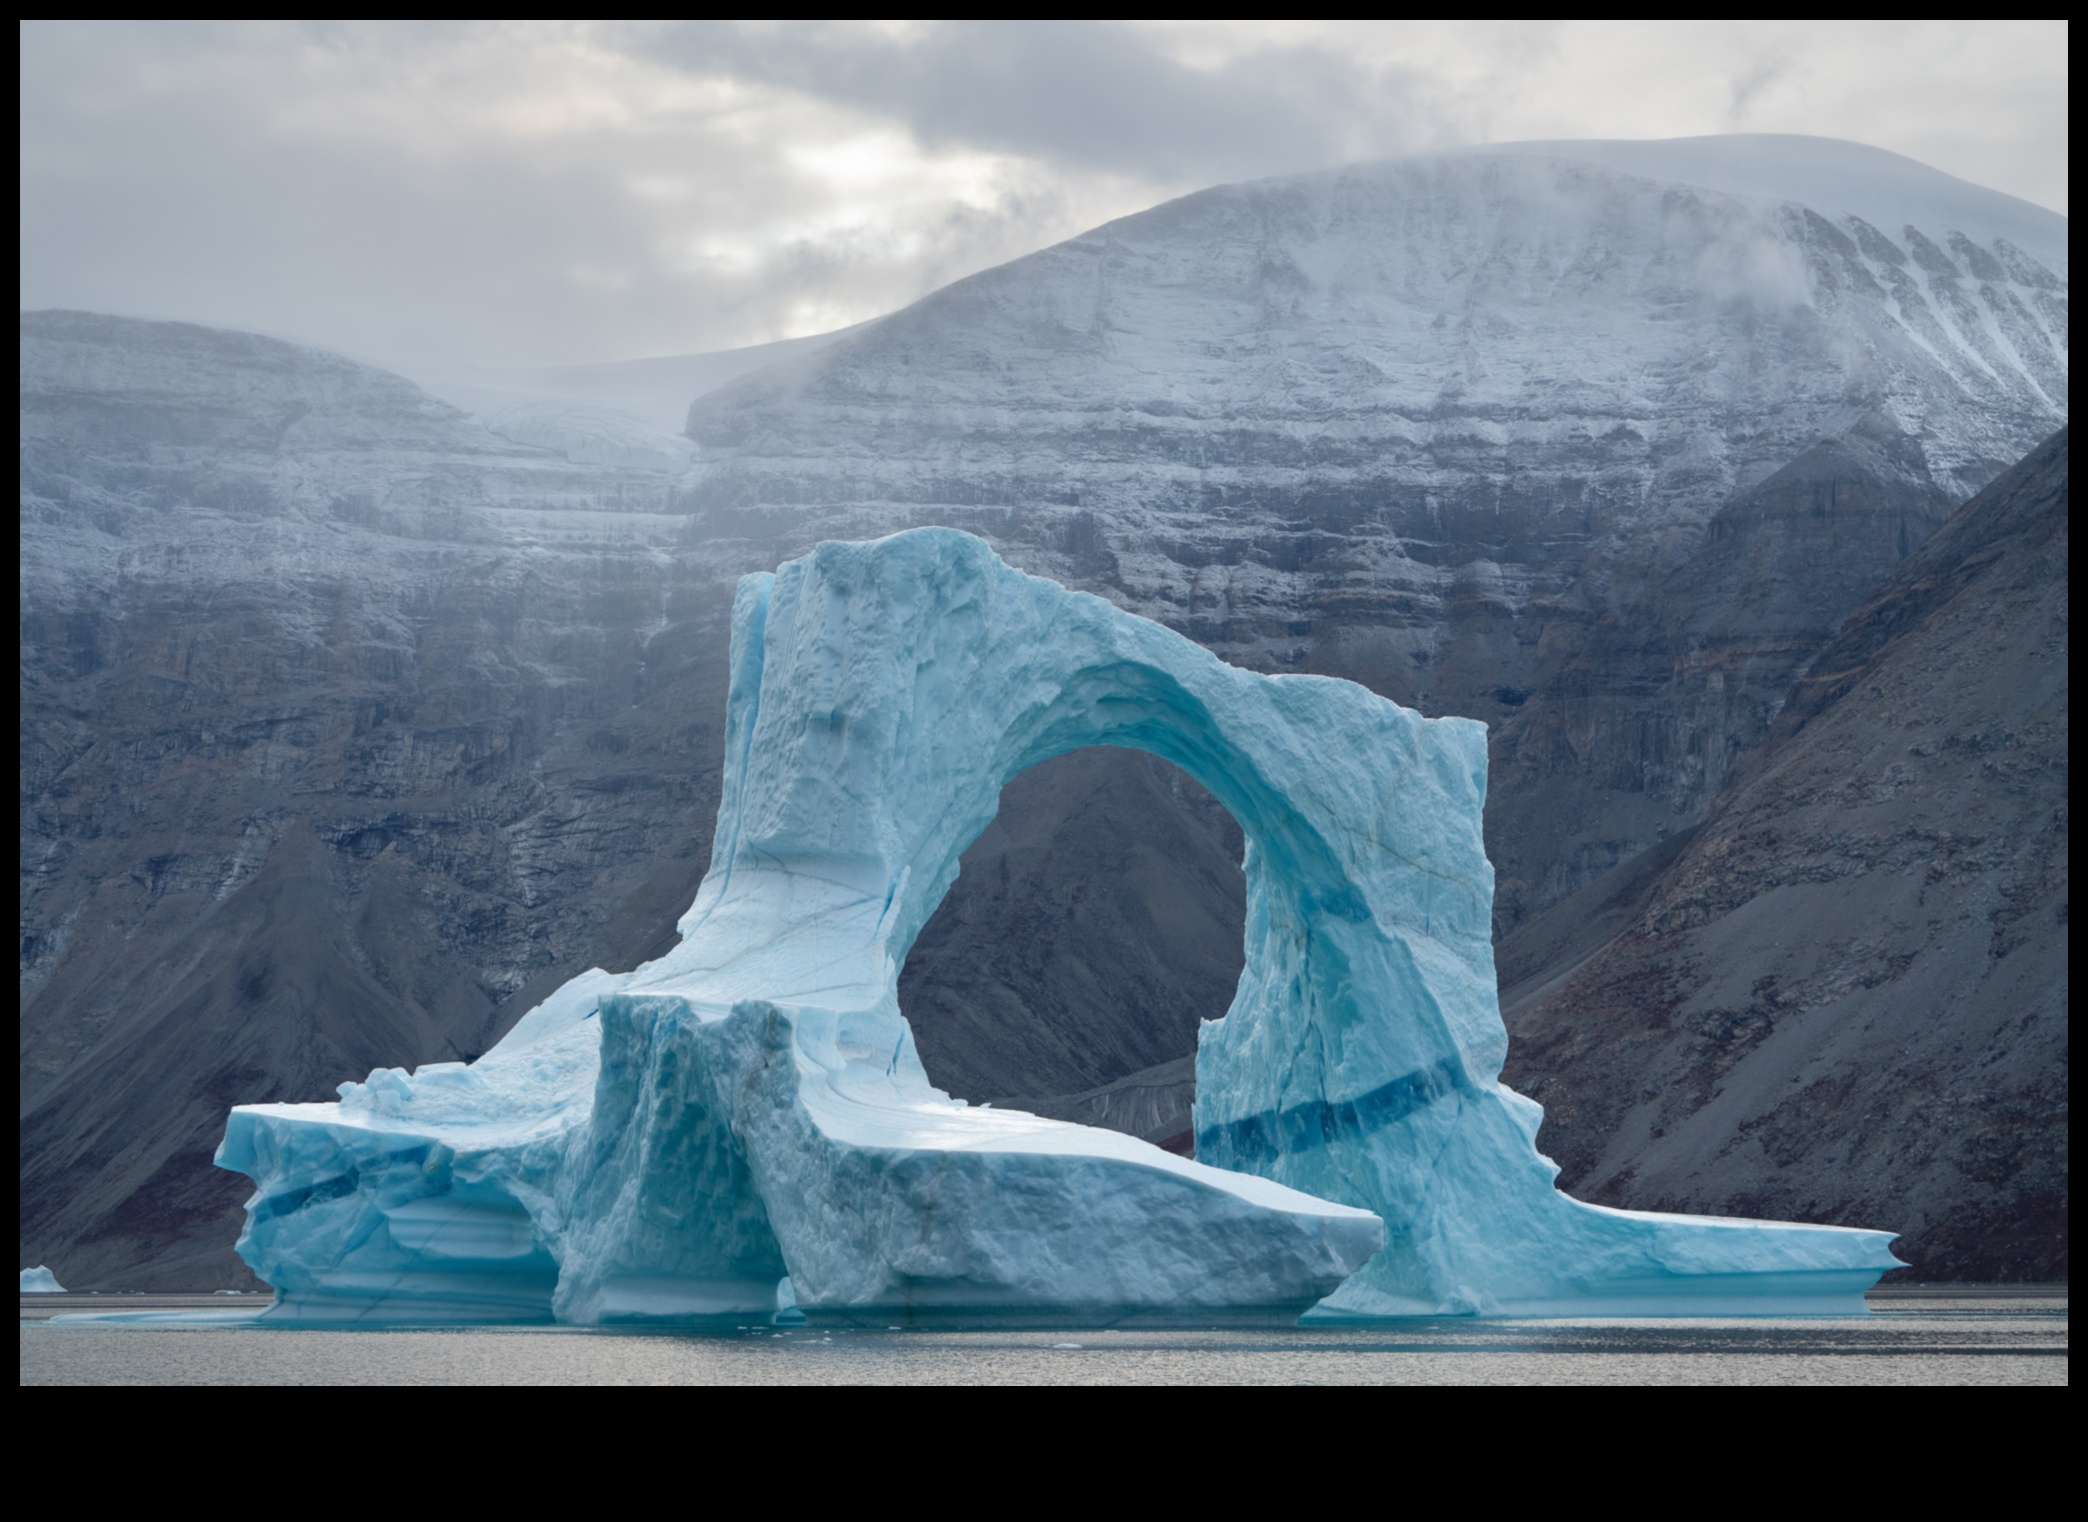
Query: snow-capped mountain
{"points": [[1648, 321], [1429, 423]]}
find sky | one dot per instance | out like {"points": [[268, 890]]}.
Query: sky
{"points": [[504, 194]]}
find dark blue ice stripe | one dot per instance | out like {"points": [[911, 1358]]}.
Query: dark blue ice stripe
{"points": [[1262, 1138]]}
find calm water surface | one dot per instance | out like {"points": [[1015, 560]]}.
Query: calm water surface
{"points": [[1914, 1337]]}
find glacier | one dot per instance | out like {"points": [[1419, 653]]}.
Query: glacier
{"points": [[675, 1143]]}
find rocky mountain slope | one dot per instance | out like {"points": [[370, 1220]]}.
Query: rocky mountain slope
{"points": [[347, 729], [350, 725], [1843, 996]]}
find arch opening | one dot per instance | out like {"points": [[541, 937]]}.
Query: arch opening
{"points": [[1095, 923]]}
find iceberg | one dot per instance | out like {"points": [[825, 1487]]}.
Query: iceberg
{"points": [[672, 1143], [40, 1281]]}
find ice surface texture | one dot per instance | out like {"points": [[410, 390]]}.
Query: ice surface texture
{"points": [[40, 1281], [671, 1142]]}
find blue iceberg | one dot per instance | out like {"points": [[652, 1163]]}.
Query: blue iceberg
{"points": [[670, 1144]]}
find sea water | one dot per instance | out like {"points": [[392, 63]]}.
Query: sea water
{"points": [[1914, 1337]]}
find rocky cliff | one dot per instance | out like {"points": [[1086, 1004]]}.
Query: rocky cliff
{"points": [[1094, 924], [1843, 995]]}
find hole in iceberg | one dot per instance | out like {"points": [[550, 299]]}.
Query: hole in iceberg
{"points": [[1094, 924]]}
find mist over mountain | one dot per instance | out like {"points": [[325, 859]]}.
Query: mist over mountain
{"points": [[353, 723]]}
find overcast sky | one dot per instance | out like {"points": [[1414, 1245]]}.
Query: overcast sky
{"points": [[542, 193]]}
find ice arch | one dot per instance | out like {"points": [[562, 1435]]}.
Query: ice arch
{"points": [[670, 1141]]}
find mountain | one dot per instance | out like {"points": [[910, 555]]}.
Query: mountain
{"points": [[1843, 995], [332, 751], [1441, 424], [350, 724]]}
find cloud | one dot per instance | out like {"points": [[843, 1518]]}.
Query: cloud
{"points": [[539, 192], [1083, 95], [1753, 86]]}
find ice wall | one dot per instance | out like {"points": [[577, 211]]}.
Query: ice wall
{"points": [[669, 1143]]}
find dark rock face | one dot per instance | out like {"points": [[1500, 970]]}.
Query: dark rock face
{"points": [[1843, 996], [1634, 719], [1155, 1104]]}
